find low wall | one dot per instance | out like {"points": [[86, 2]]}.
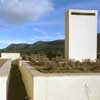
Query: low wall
{"points": [[4, 79], [28, 78], [68, 86], [12, 56]]}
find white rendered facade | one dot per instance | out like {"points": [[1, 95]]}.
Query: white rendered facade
{"points": [[81, 34], [12, 56]]}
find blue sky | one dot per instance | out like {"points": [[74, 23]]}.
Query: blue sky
{"points": [[28, 21]]}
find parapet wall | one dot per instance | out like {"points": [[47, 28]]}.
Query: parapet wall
{"points": [[12, 56], [28, 78], [4, 79], [68, 86]]}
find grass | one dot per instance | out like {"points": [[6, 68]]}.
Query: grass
{"points": [[67, 66]]}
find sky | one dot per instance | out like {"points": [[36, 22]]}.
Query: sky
{"points": [[29, 21]]}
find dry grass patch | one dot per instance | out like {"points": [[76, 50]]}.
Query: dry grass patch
{"points": [[67, 66]]}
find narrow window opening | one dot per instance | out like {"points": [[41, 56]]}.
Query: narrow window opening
{"points": [[82, 13]]}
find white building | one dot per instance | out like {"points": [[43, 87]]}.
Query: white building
{"points": [[12, 56], [81, 34]]}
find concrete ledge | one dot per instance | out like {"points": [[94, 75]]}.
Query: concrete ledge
{"points": [[28, 73], [4, 79], [69, 86]]}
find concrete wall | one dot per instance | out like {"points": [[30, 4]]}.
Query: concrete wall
{"points": [[4, 79], [12, 56], [81, 34], [27, 78], [60, 86], [3, 88], [83, 87]]}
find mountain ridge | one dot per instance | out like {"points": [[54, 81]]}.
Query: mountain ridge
{"points": [[50, 48]]}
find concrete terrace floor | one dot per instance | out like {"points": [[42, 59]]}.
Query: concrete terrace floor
{"points": [[2, 61], [16, 89]]}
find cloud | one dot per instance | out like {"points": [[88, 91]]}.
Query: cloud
{"points": [[48, 37], [2, 26], [58, 33], [18, 11], [49, 22], [7, 42], [39, 30], [44, 33]]}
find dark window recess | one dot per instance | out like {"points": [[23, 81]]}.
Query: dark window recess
{"points": [[83, 13]]}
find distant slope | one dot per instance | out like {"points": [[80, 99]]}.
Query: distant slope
{"points": [[50, 48], [16, 48]]}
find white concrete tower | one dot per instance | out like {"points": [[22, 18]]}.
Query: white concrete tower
{"points": [[81, 34]]}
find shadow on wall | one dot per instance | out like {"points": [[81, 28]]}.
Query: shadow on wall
{"points": [[16, 89]]}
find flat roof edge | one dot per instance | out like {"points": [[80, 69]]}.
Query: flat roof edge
{"points": [[82, 10]]}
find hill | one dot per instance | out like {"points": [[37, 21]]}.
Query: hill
{"points": [[50, 48]]}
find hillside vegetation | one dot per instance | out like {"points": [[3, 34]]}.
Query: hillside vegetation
{"points": [[66, 66], [49, 48]]}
